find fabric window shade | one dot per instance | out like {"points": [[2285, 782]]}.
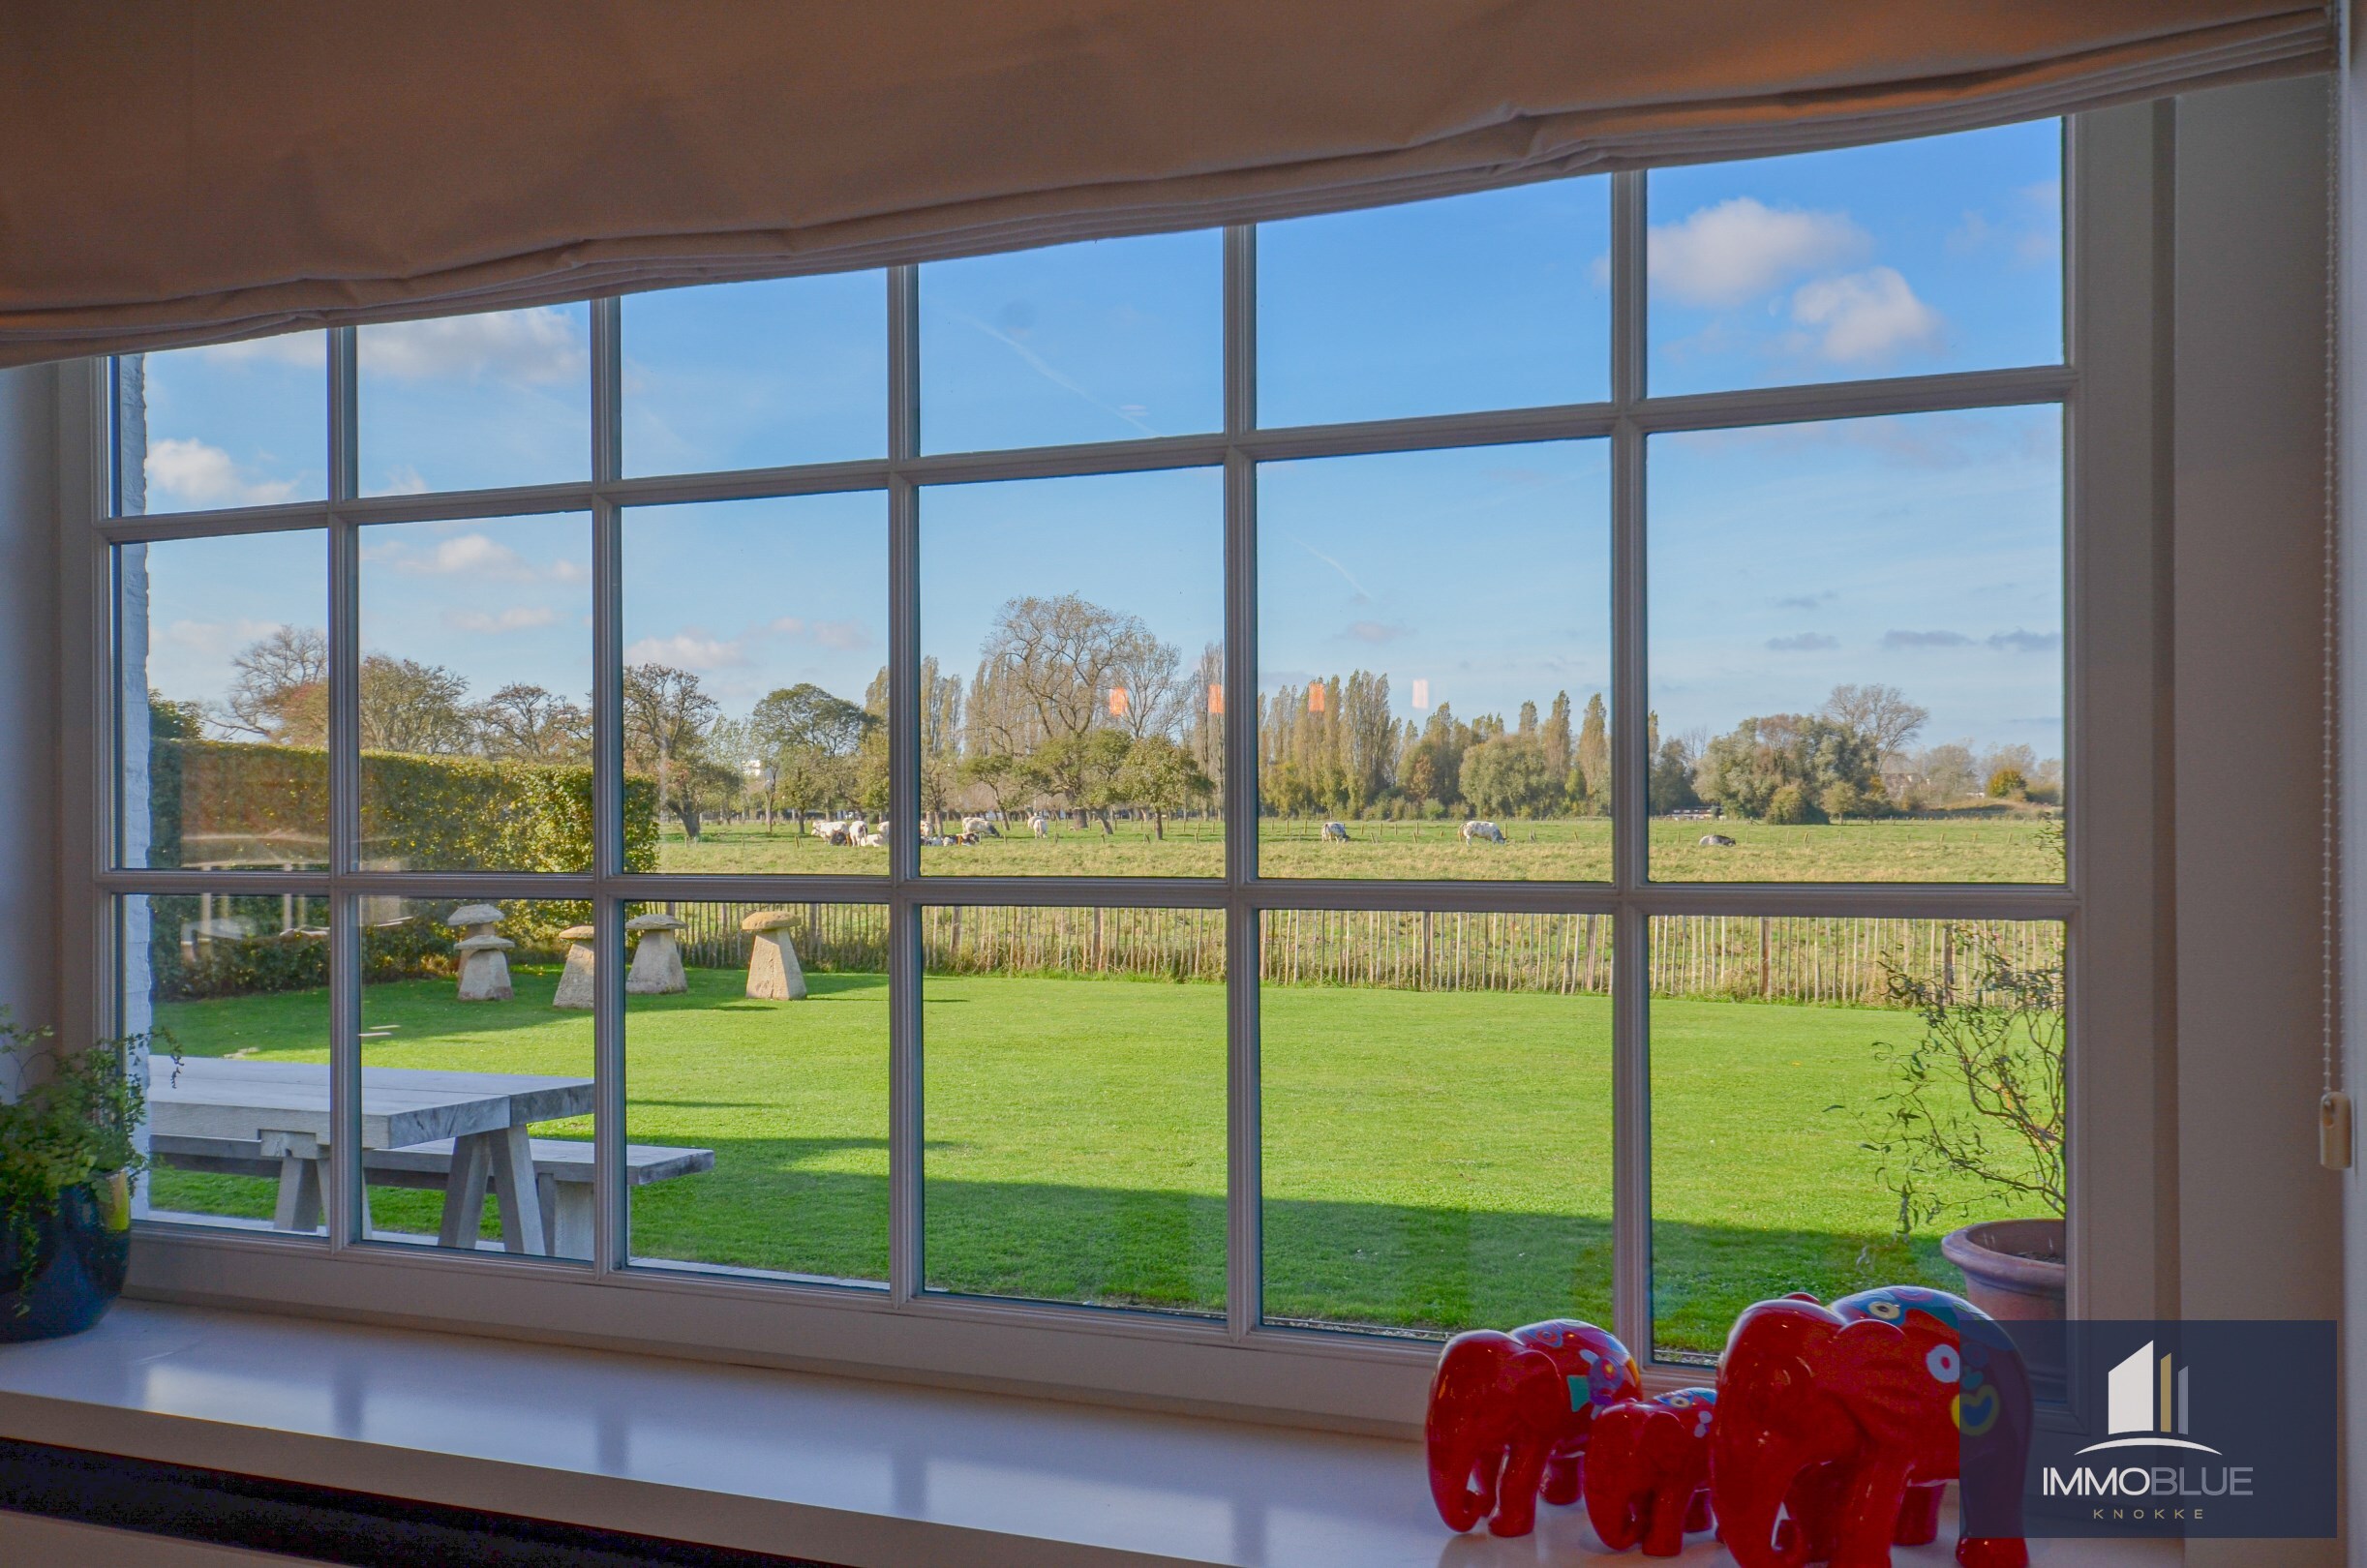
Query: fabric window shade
{"points": [[193, 172]]}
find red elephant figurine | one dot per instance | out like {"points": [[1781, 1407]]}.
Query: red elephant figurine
{"points": [[1835, 1414], [1647, 1471], [1510, 1415]]}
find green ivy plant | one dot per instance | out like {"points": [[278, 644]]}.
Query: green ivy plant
{"points": [[72, 1125]]}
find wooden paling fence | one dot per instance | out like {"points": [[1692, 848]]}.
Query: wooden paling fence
{"points": [[1735, 957]]}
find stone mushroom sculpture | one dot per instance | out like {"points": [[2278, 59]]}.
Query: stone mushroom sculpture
{"points": [[773, 972], [657, 962], [484, 970], [575, 987]]}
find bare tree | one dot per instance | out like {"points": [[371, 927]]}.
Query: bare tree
{"points": [[666, 717], [1150, 674], [534, 725], [412, 706], [1878, 714], [281, 692], [1059, 658]]}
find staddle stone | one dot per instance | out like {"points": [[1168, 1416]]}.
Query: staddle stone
{"points": [[575, 987], [484, 968], [658, 959], [774, 973], [468, 914]]}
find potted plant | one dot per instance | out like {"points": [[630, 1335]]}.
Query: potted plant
{"points": [[1981, 1096], [68, 1163]]}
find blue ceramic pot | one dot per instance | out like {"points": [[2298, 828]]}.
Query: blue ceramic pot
{"points": [[80, 1250]]}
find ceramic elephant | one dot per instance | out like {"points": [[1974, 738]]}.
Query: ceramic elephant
{"points": [[1647, 1471], [1510, 1415], [1832, 1414]]}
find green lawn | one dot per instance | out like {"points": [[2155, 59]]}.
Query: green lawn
{"points": [[1999, 845], [1433, 1160]]}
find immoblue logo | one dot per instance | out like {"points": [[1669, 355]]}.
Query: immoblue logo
{"points": [[2147, 1397]]}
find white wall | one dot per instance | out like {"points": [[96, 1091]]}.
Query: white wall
{"points": [[28, 692]]}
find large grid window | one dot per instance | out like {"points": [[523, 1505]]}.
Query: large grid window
{"points": [[1374, 775]]}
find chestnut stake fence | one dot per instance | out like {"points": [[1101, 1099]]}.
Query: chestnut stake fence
{"points": [[1727, 957]]}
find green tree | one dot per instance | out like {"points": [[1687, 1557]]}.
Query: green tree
{"points": [[1594, 752], [414, 707], [1671, 787], [1161, 776], [1559, 755], [1505, 776], [666, 720], [1745, 770]]}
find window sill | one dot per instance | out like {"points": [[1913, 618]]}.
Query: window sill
{"points": [[870, 1475]]}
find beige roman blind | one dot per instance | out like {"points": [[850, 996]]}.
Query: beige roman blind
{"points": [[177, 171]]}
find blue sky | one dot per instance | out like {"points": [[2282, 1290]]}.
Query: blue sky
{"points": [[1922, 551]]}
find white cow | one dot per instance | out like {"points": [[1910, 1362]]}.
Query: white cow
{"points": [[1473, 832], [1041, 824], [872, 841], [1335, 832], [981, 827]]}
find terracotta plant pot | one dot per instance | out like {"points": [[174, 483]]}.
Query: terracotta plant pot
{"points": [[2013, 1268]]}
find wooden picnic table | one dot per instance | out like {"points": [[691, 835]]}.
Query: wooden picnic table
{"points": [[222, 1104]]}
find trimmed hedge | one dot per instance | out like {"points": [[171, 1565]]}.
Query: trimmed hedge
{"points": [[259, 806]]}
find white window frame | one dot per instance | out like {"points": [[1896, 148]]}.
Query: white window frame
{"points": [[2113, 389]]}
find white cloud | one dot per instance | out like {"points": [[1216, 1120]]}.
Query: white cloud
{"points": [[214, 639], [1376, 632], [519, 618], [471, 555], [787, 626], [1802, 643], [188, 472], [306, 350], [405, 480], [530, 348], [1866, 316], [691, 650], [845, 635], [1740, 249]]}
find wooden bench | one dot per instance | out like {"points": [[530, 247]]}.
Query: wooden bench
{"points": [[563, 1174]]}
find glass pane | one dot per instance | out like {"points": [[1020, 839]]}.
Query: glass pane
{"points": [[476, 696], [1434, 650], [1106, 341], [1436, 1119], [757, 700], [1857, 651], [1901, 259], [756, 375], [231, 424], [1497, 300], [240, 984], [1076, 1104], [223, 702], [1088, 617], [461, 1026], [1812, 1080], [756, 1086], [473, 402]]}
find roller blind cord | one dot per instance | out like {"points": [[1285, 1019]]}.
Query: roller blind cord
{"points": [[2335, 1139]]}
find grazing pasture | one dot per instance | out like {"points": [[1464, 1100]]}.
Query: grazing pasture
{"points": [[1997, 845]]}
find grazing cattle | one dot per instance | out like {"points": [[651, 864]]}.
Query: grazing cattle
{"points": [[1335, 832], [1042, 824], [872, 841], [1715, 841], [977, 828], [1473, 832]]}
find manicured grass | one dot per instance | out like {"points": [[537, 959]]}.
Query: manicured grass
{"points": [[1433, 1160], [1999, 845]]}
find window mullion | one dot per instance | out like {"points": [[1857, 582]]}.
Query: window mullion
{"points": [[1630, 1047], [1245, 1253], [906, 1265], [611, 1224], [345, 1224]]}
